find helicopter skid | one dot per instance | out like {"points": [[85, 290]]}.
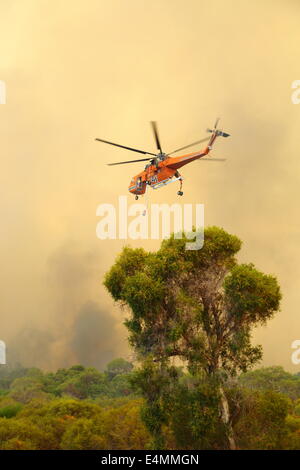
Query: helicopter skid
{"points": [[165, 182]]}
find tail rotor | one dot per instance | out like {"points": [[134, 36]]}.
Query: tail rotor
{"points": [[218, 132]]}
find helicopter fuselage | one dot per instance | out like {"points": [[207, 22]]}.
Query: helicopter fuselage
{"points": [[162, 171]]}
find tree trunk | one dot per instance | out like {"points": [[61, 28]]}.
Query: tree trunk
{"points": [[225, 416]]}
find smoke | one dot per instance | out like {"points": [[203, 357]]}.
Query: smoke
{"points": [[73, 328], [91, 340], [77, 70], [30, 347], [94, 336]]}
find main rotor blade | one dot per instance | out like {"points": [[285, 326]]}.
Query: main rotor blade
{"points": [[213, 159], [127, 148], [129, 161], [155, 131], [190, 145]]}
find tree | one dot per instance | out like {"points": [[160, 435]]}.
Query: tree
{"points": [[122, 427], [262, 421], [88, 384], [118, 366], [81, 435], [21, 433], [199, 306], [272, 378], [25, 389]]}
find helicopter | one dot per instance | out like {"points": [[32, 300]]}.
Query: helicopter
{"points": [[161, 168]]}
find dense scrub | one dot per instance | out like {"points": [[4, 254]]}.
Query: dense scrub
{"points": [[82, 408]]}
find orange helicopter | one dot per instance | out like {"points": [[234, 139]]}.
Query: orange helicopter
{"points": [[163, 169]]}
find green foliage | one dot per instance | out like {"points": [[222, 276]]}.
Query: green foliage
{"points": [[181, 411], [83, 383], [156, 384], [196, 305], [123, 428], [87, 384], [194, 416], [20, 432], [117, 367], [81, 435], [292, 441], [262, 422], [8, 374], [71, 409], [126, 265], [297, 410], [272, 378], [253, 297], [10, 411], [25, 389]]}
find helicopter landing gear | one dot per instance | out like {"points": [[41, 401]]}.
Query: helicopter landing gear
{"points": [[136, 197], [180, 192]]}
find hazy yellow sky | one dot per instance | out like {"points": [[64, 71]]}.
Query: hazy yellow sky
{"points": [[79, 69]]}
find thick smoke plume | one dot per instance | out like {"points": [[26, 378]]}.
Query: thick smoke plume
{"points": [[76, 70]]}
